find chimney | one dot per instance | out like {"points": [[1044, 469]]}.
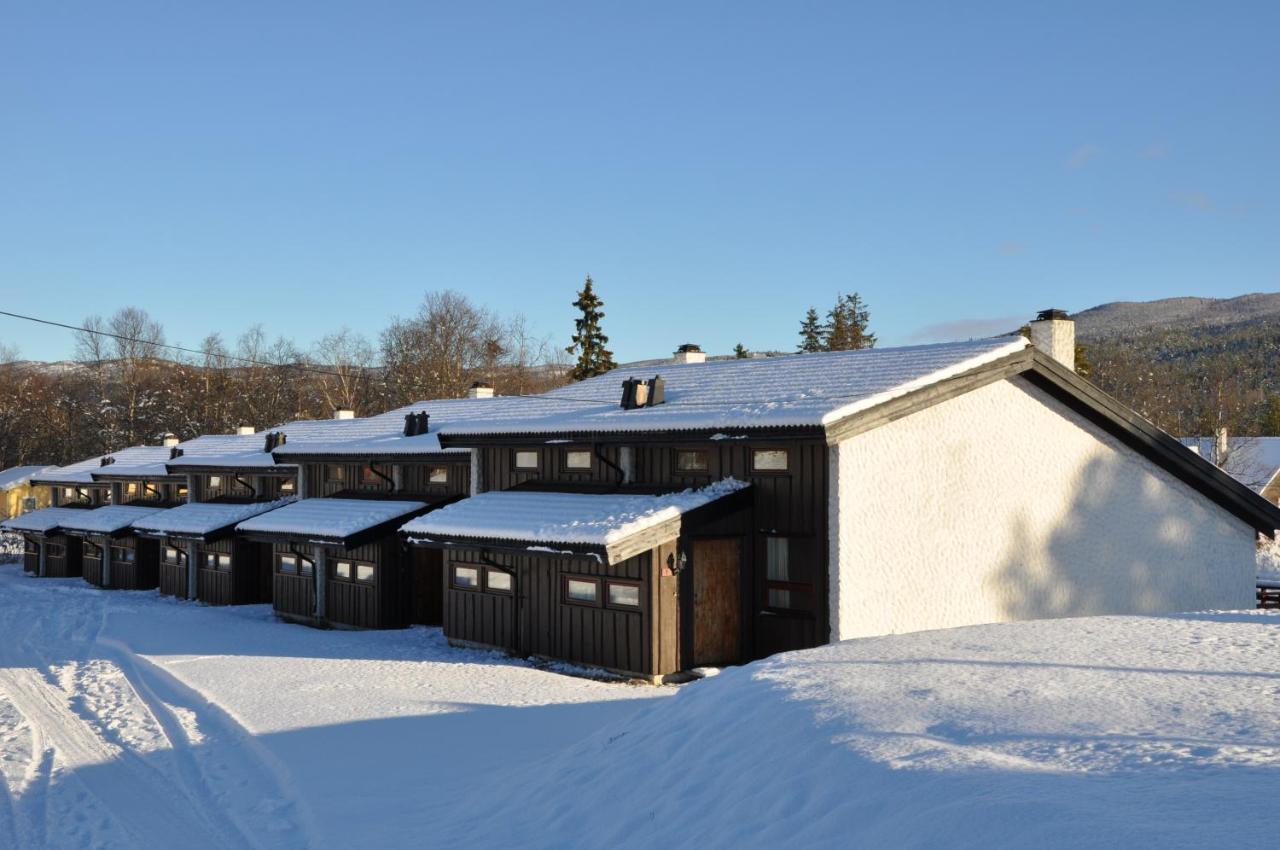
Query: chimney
{"points": [[480, 390], [689, 353], [169, 441], [1221, 448], [344, 413], [245, 430], [1054, 333], [640, 392]]}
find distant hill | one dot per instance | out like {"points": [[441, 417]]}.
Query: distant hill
{"points": [[1125, 317]]}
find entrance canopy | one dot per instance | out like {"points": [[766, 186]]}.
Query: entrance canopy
{"points": [[608, 526], [109, 521], [203, 521], [45, 521], [342, 522]]}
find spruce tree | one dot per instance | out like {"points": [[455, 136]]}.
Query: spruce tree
{"points": [[589, 341], [740, 351], [846, 328], [811, 333]]}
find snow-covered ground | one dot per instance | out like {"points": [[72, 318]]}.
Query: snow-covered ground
{"points": [[127, 720]]}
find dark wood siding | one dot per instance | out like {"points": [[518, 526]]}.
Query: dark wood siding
{"points": [[90, 562], [292, 595], [143, 573], [791, 503], [543, 623], [30, 556], [173, 578], [425, 581], [414, 478], [69, 565], [381, 604]]}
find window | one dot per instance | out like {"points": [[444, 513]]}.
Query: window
{"points": [[465, 578], [131, 489], [215, 481], [91, 551], [368, 475], [788, 574], [335, 473], [55, 550], [526, 459], [30, 547], [294, 565], [173, 556], [691, 460], [577, 459], [121, 555], [365, 573], [219, 561], [497, 581], [68, 492], [28, 504], [581, 591], [438, 475], [769, 460], [342, 569], [181, 491], [287, 485], [624, 595]]}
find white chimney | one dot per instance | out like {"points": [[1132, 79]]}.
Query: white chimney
{"points": [[169, 441], [480, 390], [1054, 333], [245, 430], [1221, 448], [344, 413], [689, 353]]}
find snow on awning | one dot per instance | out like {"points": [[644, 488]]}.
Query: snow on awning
{"points": [[202, 519], [608, 524], [331, 520], [43, 521], [109, 520]]}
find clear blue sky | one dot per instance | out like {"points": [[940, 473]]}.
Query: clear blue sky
{"points": [[717, 167]]}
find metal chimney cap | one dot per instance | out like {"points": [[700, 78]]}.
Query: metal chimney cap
{"points": [[1051, 314]]}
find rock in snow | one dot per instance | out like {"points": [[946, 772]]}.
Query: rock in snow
{"points": [[129, 720]]}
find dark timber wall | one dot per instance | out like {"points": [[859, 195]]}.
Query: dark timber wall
{"points": [[333, 478], [380, 604], [91, 562], [292, 595], [173, 577], [62, 558], [143, 573], [792, 504]]}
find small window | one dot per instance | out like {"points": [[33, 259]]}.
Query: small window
{"points": [[121, 555], [788, 584], [368, 475], [583, 591], [769, 460], [365, 573], [624, 595], [692, 460], [577, 459], [293, 565], [181, 491], [131, 489], [287, 485], [173, 556], [526, 459], [335, 473], [342, 569], [30, 547], [497, 581], [28, 504], [68, 492], [465, 578], [91, 551], [438, 475], [55, 550], [219, 561], [215, 480]]}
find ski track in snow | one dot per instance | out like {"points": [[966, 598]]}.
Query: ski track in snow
{"points": [[117, 752]]}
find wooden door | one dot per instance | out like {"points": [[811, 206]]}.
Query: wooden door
{"points": [[426, 586], [717, 602]]}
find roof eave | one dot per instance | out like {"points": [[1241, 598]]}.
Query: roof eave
{"points": [[671, 435]]}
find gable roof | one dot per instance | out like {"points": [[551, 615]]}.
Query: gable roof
{"points": [[382, 436], [144, 461], [806, 391]]}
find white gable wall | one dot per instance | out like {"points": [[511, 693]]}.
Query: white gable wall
{"points": [[1003, 504]]}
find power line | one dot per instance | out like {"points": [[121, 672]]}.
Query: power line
{"points": [[123, 338]]}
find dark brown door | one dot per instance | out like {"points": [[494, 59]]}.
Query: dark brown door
{"points": [[426, 586], [717, 601]]}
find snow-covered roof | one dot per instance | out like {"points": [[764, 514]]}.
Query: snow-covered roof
{"points": [[79, 472], [553, 518], [246, 451], [1253, 461], [788, 391], [329, 519], [105, 520], [42, 521], [200, 518], [135, 461], [17, 476], [383, 435]]}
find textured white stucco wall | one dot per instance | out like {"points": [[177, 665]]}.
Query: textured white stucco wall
{"points": [[1003, 504]]}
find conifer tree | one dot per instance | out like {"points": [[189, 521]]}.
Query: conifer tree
{"points": [[589, 341], [846, 328], [811, 333], [740, 352]]}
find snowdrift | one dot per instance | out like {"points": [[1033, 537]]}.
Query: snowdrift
{"points": [[1159, 731]]}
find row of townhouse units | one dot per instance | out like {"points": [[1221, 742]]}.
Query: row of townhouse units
{"points": [[703, 513]]}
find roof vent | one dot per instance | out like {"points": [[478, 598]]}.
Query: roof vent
{"points": [[416, 423], [107, 461], [275, 439], [344, 413], [245, 430], [480, 390], [643, 392], [169, 440], [689, 353], [174, 452]]}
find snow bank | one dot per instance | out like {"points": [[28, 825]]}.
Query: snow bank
{"points": [[599, 518]]}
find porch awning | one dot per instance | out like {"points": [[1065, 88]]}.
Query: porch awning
{"points": [[203, 520], [43, 521], [608, 526], [346, 522], [112, 520]]}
